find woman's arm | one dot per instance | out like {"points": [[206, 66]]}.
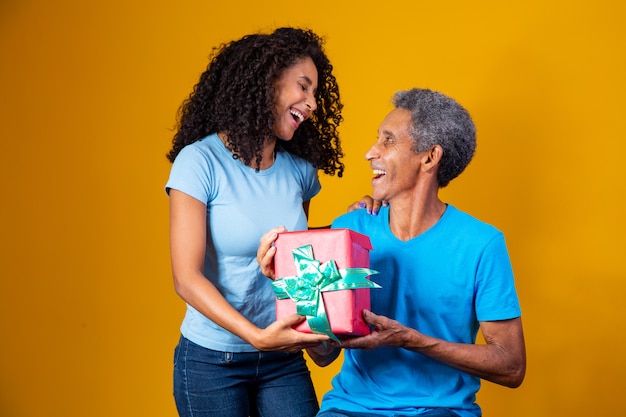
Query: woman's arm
{"points": [[187, 247]]}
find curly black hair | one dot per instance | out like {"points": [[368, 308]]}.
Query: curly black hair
{"points": [[236, 94]]}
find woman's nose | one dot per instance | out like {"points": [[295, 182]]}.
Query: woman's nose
{"points": [[311, 103]]}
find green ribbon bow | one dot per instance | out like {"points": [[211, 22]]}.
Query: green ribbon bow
{"points": [[313, 278]]}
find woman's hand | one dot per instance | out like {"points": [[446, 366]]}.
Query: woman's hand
{"points": [[367, 202], [281, 336], [266, 251]]}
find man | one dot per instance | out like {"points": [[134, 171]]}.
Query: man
{"points": [[444, 276]]}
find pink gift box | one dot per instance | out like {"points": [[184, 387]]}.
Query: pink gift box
{"points": [[348, 249]]}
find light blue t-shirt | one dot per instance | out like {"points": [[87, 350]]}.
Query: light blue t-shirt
{"points": [[242, 204], [441, 283]]}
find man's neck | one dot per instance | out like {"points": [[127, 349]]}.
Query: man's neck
{"points": [[408, 219]]}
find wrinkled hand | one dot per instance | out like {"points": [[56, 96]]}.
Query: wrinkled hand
{"points": [[266, 251], [372, 206], [282, 337], [385, 332]]}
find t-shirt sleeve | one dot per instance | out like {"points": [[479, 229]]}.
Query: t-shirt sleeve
{"points": [[312, 185], [496, 296], [342, 222], [190, 174]]}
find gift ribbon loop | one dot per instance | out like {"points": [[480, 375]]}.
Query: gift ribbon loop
{"points": [[312, 279]]}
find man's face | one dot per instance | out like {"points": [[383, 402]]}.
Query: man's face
{"points": [[395, 165]]}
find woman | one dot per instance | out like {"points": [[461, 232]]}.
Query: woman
{"points": [[252, 136]]}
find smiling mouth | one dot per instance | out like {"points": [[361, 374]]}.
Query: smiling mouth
{"points": [[298, 117], [379, 173]]}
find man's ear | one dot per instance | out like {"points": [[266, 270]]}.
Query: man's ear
{"points": [[432, 157]]}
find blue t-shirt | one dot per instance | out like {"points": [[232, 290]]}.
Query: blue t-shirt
{"points": [[242, 204], [441, 283]]}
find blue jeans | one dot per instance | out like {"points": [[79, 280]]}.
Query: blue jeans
{"points": [[209, 383], [435, 412]]}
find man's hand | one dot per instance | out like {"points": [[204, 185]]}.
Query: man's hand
{"points": [[385, 332]]}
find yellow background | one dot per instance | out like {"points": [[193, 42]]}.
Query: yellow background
{"points": [[88, 96]]}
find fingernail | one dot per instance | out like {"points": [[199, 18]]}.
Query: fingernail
{"points": [[361, 205], [369, 211], [375, 212]]}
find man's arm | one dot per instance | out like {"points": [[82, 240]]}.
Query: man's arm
{"points": [[324, 354], [502, 359]]}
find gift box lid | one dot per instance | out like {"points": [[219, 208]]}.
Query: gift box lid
{"points": [[341, 245]]}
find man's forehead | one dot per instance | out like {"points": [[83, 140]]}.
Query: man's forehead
{"points": [[396, 122]]}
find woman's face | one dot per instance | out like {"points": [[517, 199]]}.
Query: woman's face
{"points": [[295, 97]]}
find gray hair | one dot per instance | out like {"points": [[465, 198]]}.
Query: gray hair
{"points": [[439, 120]]}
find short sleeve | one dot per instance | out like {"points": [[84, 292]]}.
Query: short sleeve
{"points": [[496, 296], [191, 174], [312, 184]]}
